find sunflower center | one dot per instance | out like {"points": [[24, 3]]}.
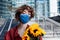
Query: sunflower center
{"points": [[25, 38], [35, 30]]}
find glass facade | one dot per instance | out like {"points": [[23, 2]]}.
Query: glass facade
{"points": [[43, 8], [59, 7], [4, 11]]}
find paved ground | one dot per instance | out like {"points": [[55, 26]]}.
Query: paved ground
{"points": [[55, 38]]}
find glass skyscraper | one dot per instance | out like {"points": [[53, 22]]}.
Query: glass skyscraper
{"points": [[42, 8], [4, 8], [59, 6]]}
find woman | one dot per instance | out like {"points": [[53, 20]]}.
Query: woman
{"points": [[23, 15]]}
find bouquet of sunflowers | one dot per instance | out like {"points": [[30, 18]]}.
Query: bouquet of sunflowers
{"points": [[33, 32]]}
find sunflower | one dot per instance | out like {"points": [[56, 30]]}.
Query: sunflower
{"points": [[36, 30], [33, 31], [25, 37]]}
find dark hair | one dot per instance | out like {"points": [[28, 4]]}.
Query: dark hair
{"points": [[22, 8]]}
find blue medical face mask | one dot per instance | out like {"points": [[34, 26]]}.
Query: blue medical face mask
{"points": [[24, 18]]}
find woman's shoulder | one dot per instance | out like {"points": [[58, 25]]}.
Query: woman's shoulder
{"points": [[12, 30], [11, 33]]}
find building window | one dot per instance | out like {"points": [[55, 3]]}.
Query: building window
{"points": [[58, 3], [59, 6], [59, 10]]}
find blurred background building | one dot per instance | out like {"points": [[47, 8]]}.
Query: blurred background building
{"points": [[4, 11], [47, 14]]}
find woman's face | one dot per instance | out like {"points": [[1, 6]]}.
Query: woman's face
{"points": [[25, 16]]}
